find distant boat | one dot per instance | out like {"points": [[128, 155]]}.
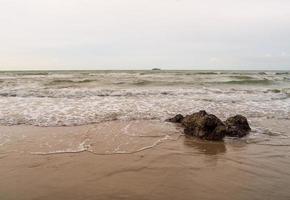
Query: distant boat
{"points": [[156, 69]]}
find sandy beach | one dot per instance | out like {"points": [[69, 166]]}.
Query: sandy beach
{"points": [[144, 100], [158, 162]]}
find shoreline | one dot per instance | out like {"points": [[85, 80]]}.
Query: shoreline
{"points": [[178, 167]]}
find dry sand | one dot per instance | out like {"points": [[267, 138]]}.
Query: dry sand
{"points": [[137, 160]]}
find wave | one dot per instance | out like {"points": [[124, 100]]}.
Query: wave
{"points": [[242, 77], [141, 83], [282, 73], [285, 91], [31, 73], [64, 109], [79, 93], [68, 81], [226, 95], [6, 94], [273, 91], [248, 82], [206, 73]]}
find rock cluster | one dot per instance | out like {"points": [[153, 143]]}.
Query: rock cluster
{"points": [[209, 127]]}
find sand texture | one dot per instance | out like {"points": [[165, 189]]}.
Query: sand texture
{"points": [[141, 160]]}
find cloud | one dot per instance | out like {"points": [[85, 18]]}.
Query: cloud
{"points": [[187, 34]]}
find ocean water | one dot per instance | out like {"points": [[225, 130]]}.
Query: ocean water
{"points": [[70, 98]]}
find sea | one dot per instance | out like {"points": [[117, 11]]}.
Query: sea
{"points": [[72, 98]]}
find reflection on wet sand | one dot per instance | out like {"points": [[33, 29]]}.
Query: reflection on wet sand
{"points": [[205, 147]]}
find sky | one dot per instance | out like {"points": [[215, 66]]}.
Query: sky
{"points": [[142, 34]]}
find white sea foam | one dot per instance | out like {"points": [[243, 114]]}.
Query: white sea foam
{"points": [[77, 98]]}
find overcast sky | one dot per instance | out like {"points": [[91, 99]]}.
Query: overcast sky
{"points": [[141, 34]]}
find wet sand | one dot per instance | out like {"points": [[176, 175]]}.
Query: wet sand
{"points": [[140, 160]]}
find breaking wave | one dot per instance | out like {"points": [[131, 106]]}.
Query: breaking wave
{"points": [[68, 81], [249, 81]]}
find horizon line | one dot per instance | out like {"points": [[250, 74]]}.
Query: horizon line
{"points": [[158, 69]]}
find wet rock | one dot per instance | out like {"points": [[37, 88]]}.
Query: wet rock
{"points": [[204, 125], [237, 126], [209, 127], [177, 119]]}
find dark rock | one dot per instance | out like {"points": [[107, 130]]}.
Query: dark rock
{"points": [[209, 127], [205, 126], [237, 126], [177, 119]]}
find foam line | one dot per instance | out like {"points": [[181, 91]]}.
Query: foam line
{"points": [[107, 154]]}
